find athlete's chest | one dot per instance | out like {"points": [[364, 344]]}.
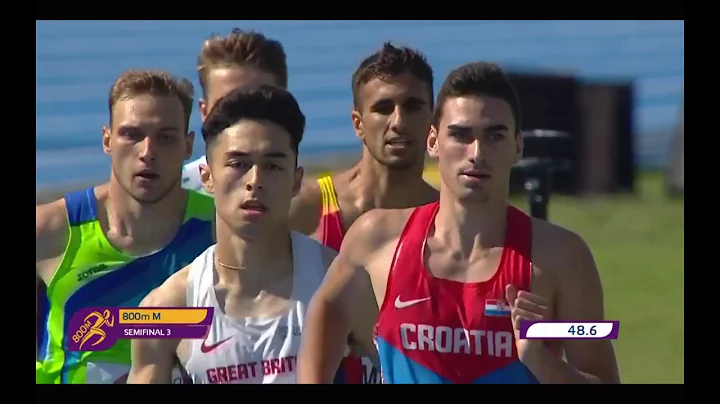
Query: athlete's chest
{"points": [[247, 354], [447, 317], [458, 334]]}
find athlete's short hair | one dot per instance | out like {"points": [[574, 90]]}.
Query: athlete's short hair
{"points": [[388, 62], [478, 78], [264, 102], [242, 48], [133, 83]]}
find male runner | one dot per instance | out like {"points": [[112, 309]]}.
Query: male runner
{"points": [[110, 245], [227, 62], [393, 96], [454, 278], [259, 276]]}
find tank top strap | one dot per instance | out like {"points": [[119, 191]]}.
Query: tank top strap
{"points": [[410, 246], [196, 280], [331, 227], [307, 256], [519, 243], [81, 206]]}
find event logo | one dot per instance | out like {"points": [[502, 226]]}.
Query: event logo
{"points": [[99, 328], [88, 329]]}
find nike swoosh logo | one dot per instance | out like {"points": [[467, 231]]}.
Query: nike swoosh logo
{"points": [[209, 348], [399, 304]]}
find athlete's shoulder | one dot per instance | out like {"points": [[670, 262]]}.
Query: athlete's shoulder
{"points": [[375, 228], [558, 249], [172, 292], [51, 218], [305, 208]]}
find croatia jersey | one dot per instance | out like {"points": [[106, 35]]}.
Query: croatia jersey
{"points": [[432, 330]]}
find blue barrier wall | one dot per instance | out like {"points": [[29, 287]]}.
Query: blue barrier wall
{"points": [[77, 61]]}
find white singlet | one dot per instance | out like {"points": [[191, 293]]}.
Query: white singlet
{"points": [[191, 175], [252, 351]]}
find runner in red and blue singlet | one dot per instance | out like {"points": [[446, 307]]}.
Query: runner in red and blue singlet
{"points": [[455, 278]]}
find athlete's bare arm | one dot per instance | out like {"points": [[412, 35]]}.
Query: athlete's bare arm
{"points": [[51, 233], [153, 359], [578, 296], [349, 297], [306, 208]]}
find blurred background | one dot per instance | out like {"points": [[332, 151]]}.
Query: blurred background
{"points": [[613, 90]]}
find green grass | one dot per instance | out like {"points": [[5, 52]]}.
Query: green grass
{"points": [[639, 247]]}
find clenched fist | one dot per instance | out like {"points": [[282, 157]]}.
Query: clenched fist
{"points": [[526, 306]]}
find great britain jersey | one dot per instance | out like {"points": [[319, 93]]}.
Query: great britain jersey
{"points": [[250, 350], [433, 330]]}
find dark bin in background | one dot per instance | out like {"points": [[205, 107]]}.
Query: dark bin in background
{"points": [[607, 149], [597, 116], [550, 102], [547, 156]]}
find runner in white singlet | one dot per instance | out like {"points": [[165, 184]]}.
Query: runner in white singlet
{"points": [[250, 350], [259, 276]]}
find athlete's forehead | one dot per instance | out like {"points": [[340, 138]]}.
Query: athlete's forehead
{"points": [[149, 110], [255, 138], [477, 113], [222, 80], [398, 88]]}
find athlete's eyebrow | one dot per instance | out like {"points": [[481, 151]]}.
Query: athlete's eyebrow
{"points": [[459, 128], [497, 128], [389, 101], [276, 154], [131, 126], [467, 128], [169, 129]]}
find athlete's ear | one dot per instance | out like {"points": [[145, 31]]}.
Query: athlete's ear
{"points": [[206, 178], [357, 124], [432, 142], [299, 174], [106, 134], [519, 146], [202, 105], [189, 140]]}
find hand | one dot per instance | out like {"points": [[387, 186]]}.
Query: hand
{"points": [[526, 306]]}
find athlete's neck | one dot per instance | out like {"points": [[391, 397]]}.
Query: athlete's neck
{"points": [[254, 263], [379, 186], [141, 228], [471, 226]]}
